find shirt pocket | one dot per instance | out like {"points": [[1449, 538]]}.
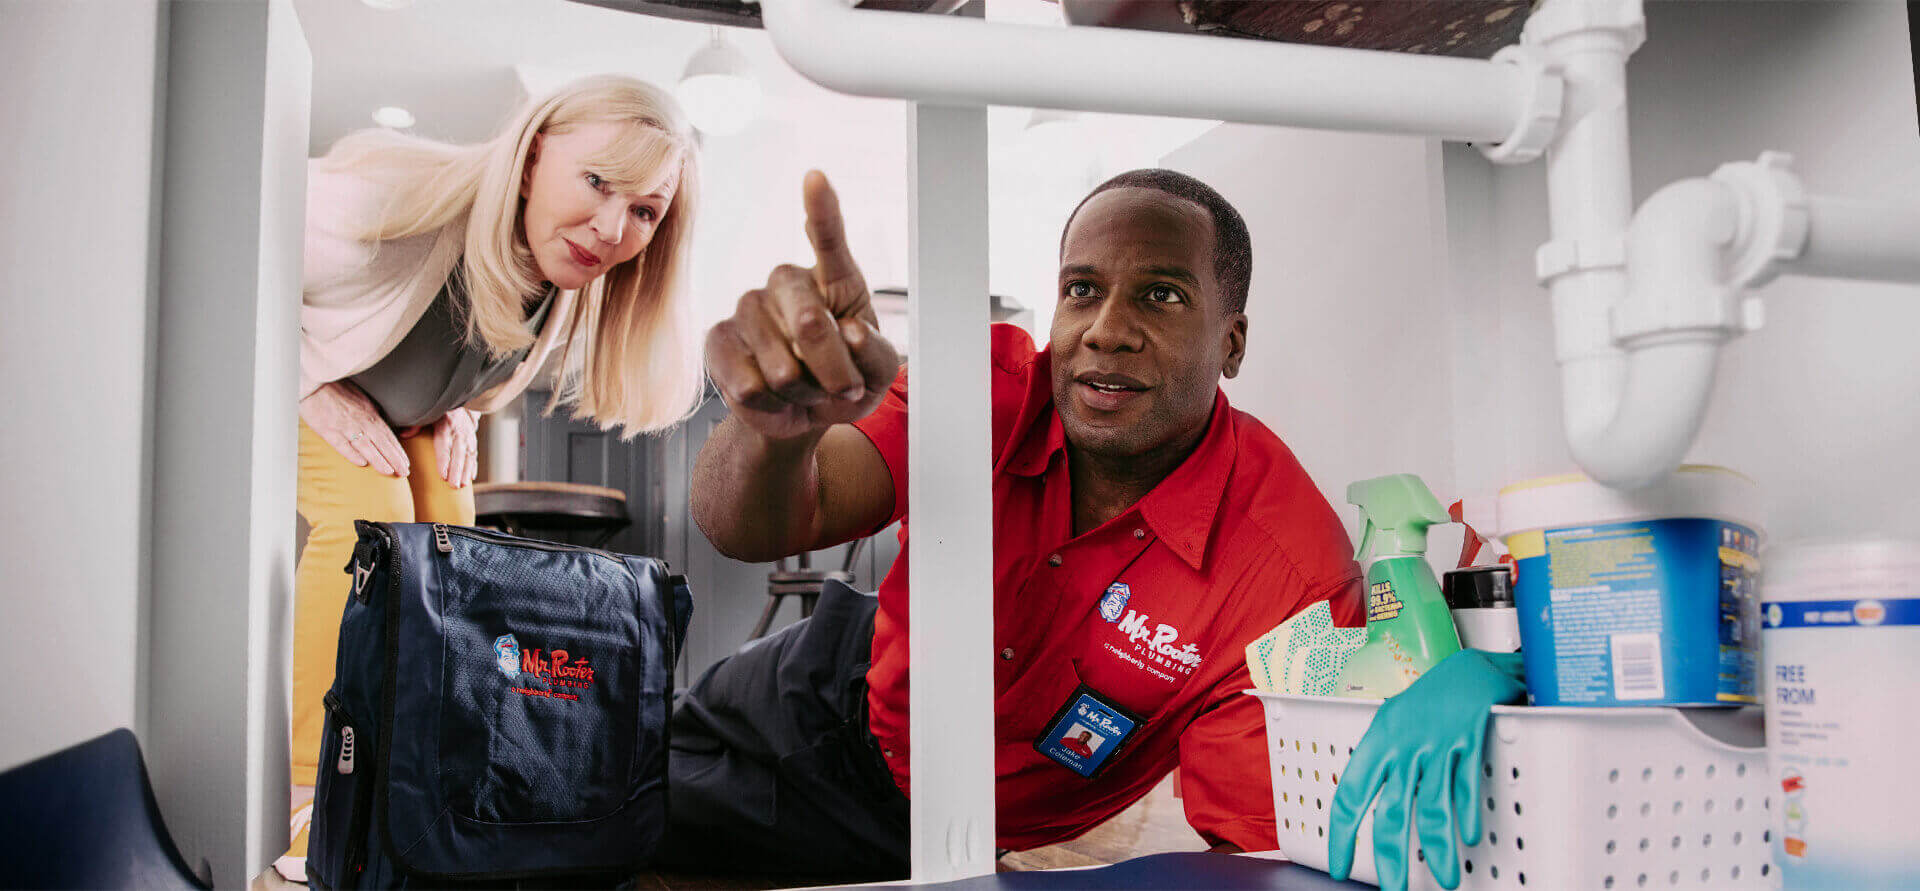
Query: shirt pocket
{"points": [[1032, 699]]}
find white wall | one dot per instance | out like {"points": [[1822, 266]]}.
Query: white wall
{"points": [[750, 216], [150, 248], [239, 78], [1823, 406], [1348, 340], [76, 260]]}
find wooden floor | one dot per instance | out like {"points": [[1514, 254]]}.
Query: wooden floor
{"points": [[1153, 825]]}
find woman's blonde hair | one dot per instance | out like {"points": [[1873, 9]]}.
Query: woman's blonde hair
{"points": [[638, 368]]}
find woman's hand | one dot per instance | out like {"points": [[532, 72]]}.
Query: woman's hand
{"points": [[456, 440], [348, 421]]}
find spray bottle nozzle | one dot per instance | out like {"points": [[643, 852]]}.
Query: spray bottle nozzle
{"points": [[1396, 510]]}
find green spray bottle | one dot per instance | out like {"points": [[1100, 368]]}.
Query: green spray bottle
{"points": [[1409, 628]]}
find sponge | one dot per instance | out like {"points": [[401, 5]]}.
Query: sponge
{"points": [[1305, 654]]}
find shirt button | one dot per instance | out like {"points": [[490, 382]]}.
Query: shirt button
{"points": [[1139, 533], [1054, 560], [887, 752], [1007, 653]]}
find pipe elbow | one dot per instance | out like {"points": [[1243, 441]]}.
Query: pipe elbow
{"points": [[1675, 256], [1631, 413], [1658, 396]]}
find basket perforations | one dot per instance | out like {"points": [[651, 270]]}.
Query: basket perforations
{"points": [[1571, 801]]}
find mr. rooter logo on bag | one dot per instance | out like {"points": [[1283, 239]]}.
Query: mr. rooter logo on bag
{"points": [[537, 672]]}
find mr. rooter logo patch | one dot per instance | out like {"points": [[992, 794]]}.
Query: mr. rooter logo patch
{"points": [[538, 672]]}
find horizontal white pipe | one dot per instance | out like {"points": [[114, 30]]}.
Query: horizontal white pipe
{"points": [[944, 60], [1631, 418], [1859, 239]]}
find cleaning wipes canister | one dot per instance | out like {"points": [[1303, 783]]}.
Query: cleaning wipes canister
{"points": [[1841, 642], [1642, 597]]}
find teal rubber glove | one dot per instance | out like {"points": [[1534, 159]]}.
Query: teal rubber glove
{"points": [[1423, 753]]}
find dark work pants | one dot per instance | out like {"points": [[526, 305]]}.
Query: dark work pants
{"points": [[772, 769]]}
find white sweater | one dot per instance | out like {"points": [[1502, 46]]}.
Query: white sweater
{"points": [[359, 298]]}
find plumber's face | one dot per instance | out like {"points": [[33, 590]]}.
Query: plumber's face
{"points": [[576, 223], [1142, 333]]}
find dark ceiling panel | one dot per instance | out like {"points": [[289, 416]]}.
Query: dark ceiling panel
{"points": [[1476, 28], [729, 12]]}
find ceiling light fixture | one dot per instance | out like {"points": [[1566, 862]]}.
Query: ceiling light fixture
{"points": [[388, 4], [1058, 143], [718, 89], [393, 117]]}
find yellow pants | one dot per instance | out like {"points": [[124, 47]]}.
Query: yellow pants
{"points": [[333, 493]]}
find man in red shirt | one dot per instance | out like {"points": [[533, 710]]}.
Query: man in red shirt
{"points": [[1145, 532]]}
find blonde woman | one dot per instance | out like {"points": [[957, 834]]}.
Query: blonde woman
{"points": [[439, 279]]}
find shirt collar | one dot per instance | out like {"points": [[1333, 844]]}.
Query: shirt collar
{"points": [[1181, 509]]}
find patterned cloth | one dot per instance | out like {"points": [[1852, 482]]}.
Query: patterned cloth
{"points": [[1304, 655]]}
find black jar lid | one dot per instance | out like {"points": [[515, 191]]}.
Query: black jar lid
{"points": [[1479, 587]]}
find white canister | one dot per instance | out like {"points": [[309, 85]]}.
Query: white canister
{"points": [[1841, 645]]}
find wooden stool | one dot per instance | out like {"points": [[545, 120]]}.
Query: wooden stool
{"points": [[539, 509]]}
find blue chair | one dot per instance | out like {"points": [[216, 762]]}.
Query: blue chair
{"points": [[85, 817]]}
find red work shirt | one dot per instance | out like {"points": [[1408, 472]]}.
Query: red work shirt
{"points": [[1231, 544]]}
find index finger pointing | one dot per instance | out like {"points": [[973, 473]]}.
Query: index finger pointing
{"points": [[833, 266]]}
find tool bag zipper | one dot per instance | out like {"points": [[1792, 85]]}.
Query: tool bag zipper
{"points": [[443, 542], [347, 762]]}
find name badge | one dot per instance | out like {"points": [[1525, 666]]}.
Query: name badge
{"points": [[1084, 735]]}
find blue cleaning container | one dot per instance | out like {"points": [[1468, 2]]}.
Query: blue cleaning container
{"points": [[1636, 598]]}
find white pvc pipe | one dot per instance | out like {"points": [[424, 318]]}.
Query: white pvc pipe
{"points": [[1858, 239], [1631, 414], [1590, 194], [1663, 391], [949, 61], [1677, 251]]}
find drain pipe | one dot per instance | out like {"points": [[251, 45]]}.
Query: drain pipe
{"points": [[1693, 252], [1630, 407], [943, 60], [1856, 239], [1632, 412]]}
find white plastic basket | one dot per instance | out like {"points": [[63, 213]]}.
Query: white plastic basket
{"points": [[1574, 798]]}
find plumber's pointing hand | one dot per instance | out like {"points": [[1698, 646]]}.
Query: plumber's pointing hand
{"points": [[805, 353]]}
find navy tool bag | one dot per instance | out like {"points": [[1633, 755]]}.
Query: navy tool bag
{"points": [[499, 711]]}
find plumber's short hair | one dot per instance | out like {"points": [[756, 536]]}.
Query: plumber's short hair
{"points": [[1232, 247]]}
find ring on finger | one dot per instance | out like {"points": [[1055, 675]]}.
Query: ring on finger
{"points": [[356, 437]]}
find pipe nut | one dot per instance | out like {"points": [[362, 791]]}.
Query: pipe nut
{"points": [[1557, 258], [1539, 119], [1773, 222]]}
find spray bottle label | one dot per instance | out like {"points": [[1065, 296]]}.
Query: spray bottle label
{"points": [[1382, 603]]}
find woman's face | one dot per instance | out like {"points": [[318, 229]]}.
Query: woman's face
{"points": [[576, 223]]}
